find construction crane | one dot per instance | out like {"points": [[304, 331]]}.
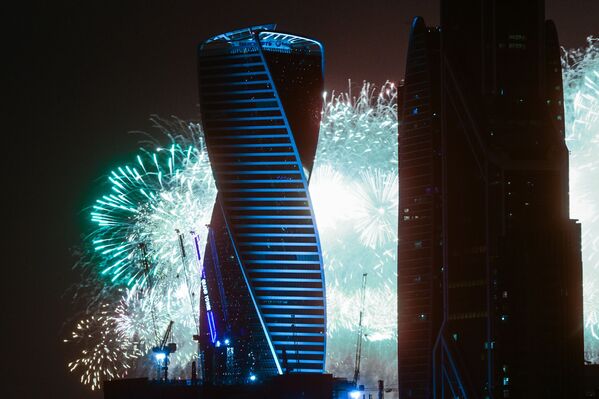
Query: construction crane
{"points": [[144, 260], [163, 351], [360, 332]]}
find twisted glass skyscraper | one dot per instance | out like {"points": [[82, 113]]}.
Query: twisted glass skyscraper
{"points": [[260, 102]]}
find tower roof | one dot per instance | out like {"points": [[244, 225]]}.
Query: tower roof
{"points": [[270, 40]]}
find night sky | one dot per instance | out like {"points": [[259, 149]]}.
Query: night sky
{"points": [[82, 77]]}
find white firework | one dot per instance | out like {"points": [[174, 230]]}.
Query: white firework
{"points": [[145, 253], [581, 103], [354, 191], [104, 353], [376, 213]]}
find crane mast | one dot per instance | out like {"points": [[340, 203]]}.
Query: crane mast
{"points": [[163, 350], [360, 332]]}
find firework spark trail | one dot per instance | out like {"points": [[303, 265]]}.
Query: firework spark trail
{"points": [[376, 214], [354, 191], [166, 191], [355, 196], [150, 212], [581, 102], [172, 188], [106, 353], [142, 318]]}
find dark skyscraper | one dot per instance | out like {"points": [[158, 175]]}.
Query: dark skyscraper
{"points": [[260, 101], [490, 274], [420, 298]]}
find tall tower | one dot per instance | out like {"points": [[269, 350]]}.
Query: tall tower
{"points": [[419, 272], [505, 278], [260, 102]]}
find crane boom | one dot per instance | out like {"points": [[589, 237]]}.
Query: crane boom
{"points": [[360, 332], [167, 335]]}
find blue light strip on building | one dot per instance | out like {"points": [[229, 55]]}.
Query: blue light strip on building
{"points": [[265, 36], [204, 287]]}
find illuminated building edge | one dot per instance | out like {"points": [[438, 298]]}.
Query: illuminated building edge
{"points": [[260, 100]]}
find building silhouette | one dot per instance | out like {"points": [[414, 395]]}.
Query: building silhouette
{"points": [[489, 274], [260, 102], [420, 224]]}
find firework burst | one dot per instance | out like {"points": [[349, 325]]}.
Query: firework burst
{"points": [[166, 192], [143, 247], [354, 190], [105, 353], [581, 101], [145, 221], [376, 213]]}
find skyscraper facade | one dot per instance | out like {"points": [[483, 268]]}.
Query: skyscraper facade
{"points": [[420, 303], [260, 103], [490, 283]]}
